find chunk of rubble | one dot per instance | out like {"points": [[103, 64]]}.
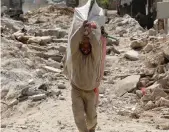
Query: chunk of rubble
{"points": [[51, 69], [137, 44], [127, 85], [59, 33], [132, 55], [162, 102], [148, 48], [62, 49], [38, 97], [13, 102], [61, 86], [40, 40], [166, 53], [158, 93], [149, 105], [152, 32]]}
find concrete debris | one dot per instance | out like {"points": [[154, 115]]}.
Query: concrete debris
{"points": [[139, 93], [164, 126], [158, 93], [127, 85], [59, 33], [14, 102], [136, 44], [51, 69], [61, 86], [149, 105], [148, 48], [60, 40], [40, 40], [38, 97], [162, 102], [166, 52], [132, 55], [62, 49], [4, 92], [55, 92], [152, 32]]}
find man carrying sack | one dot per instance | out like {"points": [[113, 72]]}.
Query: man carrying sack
{"points": [[84, 63]]}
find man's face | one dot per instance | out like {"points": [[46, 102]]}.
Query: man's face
{"points": [[85, 46]]}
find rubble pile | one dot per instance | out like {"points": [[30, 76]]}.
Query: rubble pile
{"points": [[32, 56], [125, 25]]}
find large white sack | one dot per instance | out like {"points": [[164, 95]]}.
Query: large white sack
{"points": [[85, 72]]}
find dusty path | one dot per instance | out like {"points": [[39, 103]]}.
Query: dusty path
{"points": [[54, 115]]}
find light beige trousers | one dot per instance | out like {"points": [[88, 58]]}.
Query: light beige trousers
{"points": [[84, 109]]}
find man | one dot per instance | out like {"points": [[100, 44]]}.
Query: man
{"points": [[84, 67]]}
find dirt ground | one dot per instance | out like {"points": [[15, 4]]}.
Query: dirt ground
{"points": [[23, 68]]}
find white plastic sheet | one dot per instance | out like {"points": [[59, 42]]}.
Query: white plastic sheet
{"points": [[85, 72]]}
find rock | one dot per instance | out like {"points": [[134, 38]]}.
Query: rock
{"points": [[51, 69], [120, 31], [38, 97], [59, 33], [146, 98], [162, 102], [102, 90], [38, 48], [166, 53], [54, 64], [152, 32], [29, 91], [139, 93], [61, 86], [4, 92], [149, 105], [148, 48], [109, 42], [61, 98], [62, 49], [164, 126], [40, 40], [137, 44], [127, 85], [152, 87], [132, 55], [3, 125], [14, 102], [148, 71], [12, 94], [43, 87], [158, 93], [60, 40], [12, 24], [31, 81], [55, 92]]}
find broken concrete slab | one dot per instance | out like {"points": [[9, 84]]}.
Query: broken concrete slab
{"points": [[60, 40], [40, 40], [162, 102], [137, 44], [51, 69], [132, 55], [38, 97], [127, 84]]}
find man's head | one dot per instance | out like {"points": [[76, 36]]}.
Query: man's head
{"points": [[85, 46]]}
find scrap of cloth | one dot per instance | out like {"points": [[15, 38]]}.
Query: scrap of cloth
{"points": [[86, 71]]}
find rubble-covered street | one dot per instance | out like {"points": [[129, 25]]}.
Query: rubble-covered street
{"points": [[35, 94]]}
